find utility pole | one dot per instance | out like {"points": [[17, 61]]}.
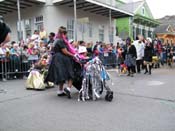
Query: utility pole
{"points": [[19, 19], [75, 20]]}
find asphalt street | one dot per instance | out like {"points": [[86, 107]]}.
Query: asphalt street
{"points": [[141, 103]]}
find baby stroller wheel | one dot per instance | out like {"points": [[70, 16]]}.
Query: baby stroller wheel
{"points": [[109, 96]]}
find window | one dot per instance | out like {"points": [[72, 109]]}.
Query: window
{"points": [[39, 22], [143, 10], [70, 29], [143, 32], [111, 34], [116, 31], [28, 29], [137, 31], [149, 33], [101, 33], [90, 29], [133, 32]]}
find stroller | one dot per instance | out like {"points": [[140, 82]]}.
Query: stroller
{"points": [[91, 80]]}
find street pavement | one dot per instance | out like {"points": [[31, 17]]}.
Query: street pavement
{"points": [[141, 103]]}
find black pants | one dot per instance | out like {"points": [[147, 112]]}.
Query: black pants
{"points": [[131, 69], [138, 64]]}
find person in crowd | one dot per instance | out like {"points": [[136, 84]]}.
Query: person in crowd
{"points": [[140, 46], [24, 54], [130, 59], [61, 67], [28, 39], [15, 50], [89, 49], [50, 42], [51, 38], [83, 52], [95, 50], [33, 53], [148, 54], [120, 59], [102, 47], [43, 35], [35, 38], [12, 43], [82, 43], [15, 58], [42, 49], [109, 48], [169, 52]]}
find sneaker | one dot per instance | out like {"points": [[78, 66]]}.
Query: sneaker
{"points": [[67, 92], [60, 93]]}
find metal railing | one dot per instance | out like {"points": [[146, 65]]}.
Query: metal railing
{"points": [[13, 67]]}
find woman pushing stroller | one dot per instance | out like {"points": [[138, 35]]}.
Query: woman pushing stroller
{"points": [[61, 67]]}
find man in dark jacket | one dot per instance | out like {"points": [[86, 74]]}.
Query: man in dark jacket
{"points": [[4, 33]]}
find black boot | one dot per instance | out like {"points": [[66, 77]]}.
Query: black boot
{"points": [[150, 69], [146, 70]]}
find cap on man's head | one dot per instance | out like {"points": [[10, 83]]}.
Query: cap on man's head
{"points": [[4, 30]]}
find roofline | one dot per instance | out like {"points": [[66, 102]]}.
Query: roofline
{"points": [[110, 7], [44, 1], [135, 11], [103, 5]]}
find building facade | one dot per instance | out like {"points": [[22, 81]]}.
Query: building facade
{"points": [[93, 18], [142, 22], [166, 33], [166, 30]]}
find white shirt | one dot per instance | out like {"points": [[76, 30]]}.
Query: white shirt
{"points": [[139, 49]]}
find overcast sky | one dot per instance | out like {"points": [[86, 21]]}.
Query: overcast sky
{"points": [[161, 8]]}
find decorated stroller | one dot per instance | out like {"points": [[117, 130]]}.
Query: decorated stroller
{"points": [[91, 80]]}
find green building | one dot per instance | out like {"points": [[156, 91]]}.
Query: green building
{"points": [[142, 22]]}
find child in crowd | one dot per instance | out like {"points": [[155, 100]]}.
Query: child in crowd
{"points": [[37, 75]]}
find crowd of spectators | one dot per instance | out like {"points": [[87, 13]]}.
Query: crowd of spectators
{"points": [[41, 44]]}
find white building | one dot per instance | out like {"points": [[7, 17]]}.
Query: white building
{"points": [[93, 16]]}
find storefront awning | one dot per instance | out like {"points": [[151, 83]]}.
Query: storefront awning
{"points": [[8, 6], [96, 7]]}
